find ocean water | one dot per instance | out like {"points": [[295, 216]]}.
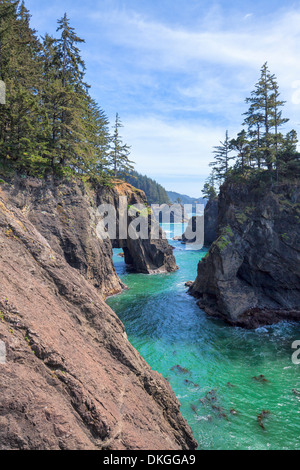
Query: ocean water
{"points": [[217, 362]]}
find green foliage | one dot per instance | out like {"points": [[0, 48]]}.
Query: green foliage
{"points": [[222, 158], [50, 124], [241, 217], [155, 193], [262, 153], [225, 238], [120, 152], [243, 148], [209, 190], [285, 236], [264, 119]]}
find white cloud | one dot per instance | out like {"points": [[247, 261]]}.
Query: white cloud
{"points": [[166, 47], [296, 94], [217, 69], [219, 66], [171, 148], [202, 75]]}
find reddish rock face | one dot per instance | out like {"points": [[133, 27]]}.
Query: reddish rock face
{"points": [[71, 378], [147, 256], [65, 213]]}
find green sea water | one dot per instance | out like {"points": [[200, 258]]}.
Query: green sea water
{"points": [[168, 329]]}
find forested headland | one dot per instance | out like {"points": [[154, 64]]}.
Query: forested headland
{"points": [[50, 124], [260, 154], [155, 192]]}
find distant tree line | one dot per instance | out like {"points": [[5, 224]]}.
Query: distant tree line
{"points": [[261, 150], [50, 123], [156, 194]]}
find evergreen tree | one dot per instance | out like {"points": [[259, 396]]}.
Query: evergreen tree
{"points": [[209, 190], [264, 118], [288, 156], [21, 71], [120, 152], [222, 158], [98, 142], [242, 146], [254, 121], [52, 96], [50, 123], [8, 21], [156, 194], [73, 99], [277, 121], [8, 15]]}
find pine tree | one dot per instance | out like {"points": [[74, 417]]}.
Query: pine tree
{"points": [[277, 121], [8, 15], [254, 121], [8, 21], [50, 123], [264, 118], [288, 156], [20, 69], [242, 146], [73, 99], [209, 190], [120, 152], [52, 96], [97, 163], [222, 158]]}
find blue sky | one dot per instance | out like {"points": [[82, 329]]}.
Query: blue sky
{"points": [[178, 71]]}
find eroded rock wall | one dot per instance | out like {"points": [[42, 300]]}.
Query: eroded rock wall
{"points": [[251, 275], [71, 378], [65, 213], [146, 256]]}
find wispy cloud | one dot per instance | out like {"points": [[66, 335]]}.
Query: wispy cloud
{"points": [[171, 148], [178, 47], [179, 82], [214, 67]]}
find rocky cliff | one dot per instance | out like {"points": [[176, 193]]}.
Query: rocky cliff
{"points": [[66, 215], [251, 275], [71, 378], [147, 255], [210, 225]]}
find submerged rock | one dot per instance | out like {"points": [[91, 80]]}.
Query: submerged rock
{"points": [[261, 379], [180, 369], [189, 284], [261, 417]]}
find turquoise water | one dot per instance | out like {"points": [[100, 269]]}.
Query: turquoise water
{"points": [[168, 329]]}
